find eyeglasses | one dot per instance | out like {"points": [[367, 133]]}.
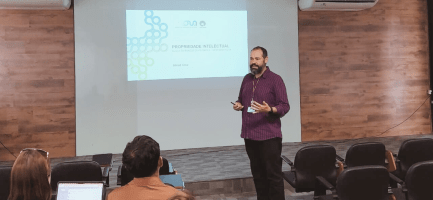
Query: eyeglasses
{"points": [[42, 152]]}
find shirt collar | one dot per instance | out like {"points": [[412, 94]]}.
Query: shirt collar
{"points": [[266, 73]]}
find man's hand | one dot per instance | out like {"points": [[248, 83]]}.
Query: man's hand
{"points": [[238, 106], [259, 108]]}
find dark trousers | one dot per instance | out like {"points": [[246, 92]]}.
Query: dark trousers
{"points": [[266, 162]]}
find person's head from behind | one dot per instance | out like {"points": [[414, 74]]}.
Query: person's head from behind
{"points": [[30, 176], [141, 157]]}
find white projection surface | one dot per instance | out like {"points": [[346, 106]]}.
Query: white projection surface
{"points": [[185, 44], [170, 68]]}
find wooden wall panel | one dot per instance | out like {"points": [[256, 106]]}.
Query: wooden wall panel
{"points": [[37, 82], [361, 73], [364, 72]]}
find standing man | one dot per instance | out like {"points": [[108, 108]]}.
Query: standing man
{"points": [[263, 101]]}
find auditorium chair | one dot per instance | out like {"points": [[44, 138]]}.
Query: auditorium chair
{"points": [[78, 171], [412, 151], [368, 153], [368, 182], [418, 184], [124, 177], [5, 176], [310, 162]]}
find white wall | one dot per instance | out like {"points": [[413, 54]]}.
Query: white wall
{"points": [[179, 114]]}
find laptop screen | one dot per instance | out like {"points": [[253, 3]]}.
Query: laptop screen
{"points": [[80, 191]]}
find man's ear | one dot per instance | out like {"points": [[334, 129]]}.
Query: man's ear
{"points": [[160, 162], [266, 59]]}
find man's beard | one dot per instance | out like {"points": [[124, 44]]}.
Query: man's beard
{"points": [[256, 71]]}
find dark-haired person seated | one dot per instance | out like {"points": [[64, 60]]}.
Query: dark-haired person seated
{"points": [[142, 159], [30, 176]]}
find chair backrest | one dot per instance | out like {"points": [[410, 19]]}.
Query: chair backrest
{"points": [[363, 182], [5, 177], [369, 153], [419, 181], [127, 177], [165, 169], [312, 161], [75, 171], [413, 151]]}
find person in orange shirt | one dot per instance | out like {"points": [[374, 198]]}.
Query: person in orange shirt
{"points": [[142, 159]]}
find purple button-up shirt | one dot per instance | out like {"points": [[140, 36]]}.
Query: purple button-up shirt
{"points": [[271, 89]]}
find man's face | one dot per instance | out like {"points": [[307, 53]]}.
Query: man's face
{"points": [[257, 62]]}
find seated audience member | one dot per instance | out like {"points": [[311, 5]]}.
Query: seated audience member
{"points": [[31, 176], [142, 159]]}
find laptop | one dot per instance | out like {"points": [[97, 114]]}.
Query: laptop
{"points": [[80, 190]]}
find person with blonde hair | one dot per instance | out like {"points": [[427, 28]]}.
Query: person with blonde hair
{"points": [[31, 176]]}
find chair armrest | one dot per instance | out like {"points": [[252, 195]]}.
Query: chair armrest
{"points": [[395, 158], [395, 178], [391, 195], [322, 182], [106, 172], [287, 160], [404, 189], [339, 158], [119, 175], [340, 167], [106, 176], [391, 161]]}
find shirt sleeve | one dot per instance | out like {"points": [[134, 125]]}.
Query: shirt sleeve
{"points": [[282, 102], [240, 91]]}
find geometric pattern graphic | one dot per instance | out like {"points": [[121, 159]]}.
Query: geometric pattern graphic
{"points": [[139, 48]]}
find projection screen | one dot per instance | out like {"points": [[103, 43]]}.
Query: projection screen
{"points": [[170, 68]]}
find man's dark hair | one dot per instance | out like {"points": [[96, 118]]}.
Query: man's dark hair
{"points": [[265, 53], [141, 156]]}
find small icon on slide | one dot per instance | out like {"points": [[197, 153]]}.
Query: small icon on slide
{"points": [[202, 23]]}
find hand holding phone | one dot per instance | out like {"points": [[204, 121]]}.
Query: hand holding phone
{"points": [[237, 106]]}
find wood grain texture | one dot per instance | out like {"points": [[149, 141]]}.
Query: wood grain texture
{"points": [[37, 82], [364, 72], [360, 72]]}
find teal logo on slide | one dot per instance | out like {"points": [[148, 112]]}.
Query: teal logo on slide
{"points": [[189, 23], [139, 48]]}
